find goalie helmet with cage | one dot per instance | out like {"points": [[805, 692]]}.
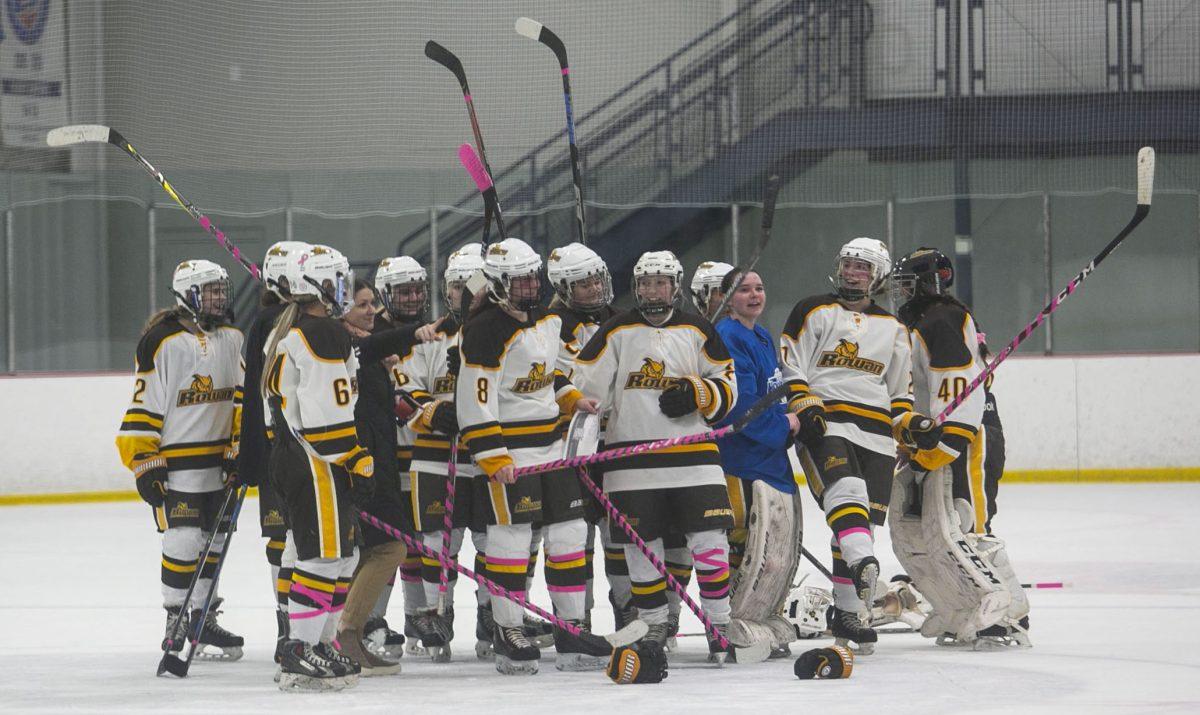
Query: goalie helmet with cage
{"points": [[322, 274], [862, 253], [580, 277], [460, 266], [705, 280], [512, 268], [805, 610], [403, 287], [924, 272], [275, 263], [202, 291], [653, 264]]}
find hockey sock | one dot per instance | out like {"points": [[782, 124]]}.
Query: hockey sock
{"points": [[274, 558], [648, 586], [566, 567], [410, 582], [711, 552], [180, 556], [507, 561], [479, 541], [341, 588], [589, 555], [615, 567], [535, 544], [679, 565], [845, 596], [287, 563], [311, 597], [431, 569], [846, 513]]}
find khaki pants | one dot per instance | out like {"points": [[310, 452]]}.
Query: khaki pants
{"points": [[375, 569]]}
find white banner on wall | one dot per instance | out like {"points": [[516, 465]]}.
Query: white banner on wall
{"points": [[33, 70]]}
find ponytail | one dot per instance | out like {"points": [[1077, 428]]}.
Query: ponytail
{"points": [[283, 324]]}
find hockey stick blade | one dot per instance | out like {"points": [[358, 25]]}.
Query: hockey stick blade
{"points": [[770, 196], [449, 60], [535, 30], [172, 664], [603, 645], [77, 134]]}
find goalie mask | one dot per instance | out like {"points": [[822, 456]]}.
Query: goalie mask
{"points": [[580, 277], [202, 290], [402, 286], [654, 298], [924, 272], [861, 268], [460, 266], [512, 267], [805, 610], [705, 280], [274, 267], [322, 274]]}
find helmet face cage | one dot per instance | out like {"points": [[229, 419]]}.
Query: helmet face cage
{"points": [[208, 303], [522, 298], [565, 289], [926, 271], [655, 306], [853, 293], [337, 294], [406, 299]]}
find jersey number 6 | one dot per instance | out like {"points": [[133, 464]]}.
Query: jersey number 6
{"points": [[341, 391]]}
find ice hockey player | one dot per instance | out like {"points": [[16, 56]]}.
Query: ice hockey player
{"points": [[846, 362], [254, 451], [509, 399], [179, 438], [705, 288], [665, 373], [940, 508], [310, 385], [583, 296], [765, 550]]}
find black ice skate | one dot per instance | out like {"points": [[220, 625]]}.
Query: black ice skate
{"points": [[622, 615], [515, 655], [866, 577], [716, 652], [174, 636], [302, 668], [1004, 634], [672, 632], [848, 627], [282, 627], [485, 626], [380, 640], [658, 633], [341, 665], [540, 633], [440, 628], [216, 643], [572, 654], [415, 635]]}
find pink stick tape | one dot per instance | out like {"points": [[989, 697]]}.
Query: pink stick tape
{"points": [[470, 161]]}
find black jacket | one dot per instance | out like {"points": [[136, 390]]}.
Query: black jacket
{"points": [[254, 451]]}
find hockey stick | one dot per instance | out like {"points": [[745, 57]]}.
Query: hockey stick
{"points": [[813, 560], [768, 220], [596, 645], [84, 133], [1145, 191], [171, 663], [764, 403], [448, 523], [483, 181], [450, 61], [535, 30], [748, 654]]}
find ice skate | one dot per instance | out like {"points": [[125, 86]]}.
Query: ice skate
{"points": [[515, 655], [672, 644], [540, 633], [865, 574], [622, 616], [350, 644], [381, 640], [848, 627], [174, 640], [341, 666], [415, 635], [570, 653], [485, 627], [302, 668], [441, 630], [216, 643], [281, 623]]}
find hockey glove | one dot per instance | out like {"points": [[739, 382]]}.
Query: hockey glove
{"points": [[445, 418], [919, 432], [684, 397], [361, 468], [229, 467], [640, 662], [453, 360], [404, 406], [825, 663], [811, 414], [151, 473]]}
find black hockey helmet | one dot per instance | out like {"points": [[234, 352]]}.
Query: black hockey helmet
{"points": [[924, 272]]}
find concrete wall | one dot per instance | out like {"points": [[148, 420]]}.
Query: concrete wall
{"points": [[1064, 417]]}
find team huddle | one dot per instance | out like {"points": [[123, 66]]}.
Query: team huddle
{"points": [[348, 403]]}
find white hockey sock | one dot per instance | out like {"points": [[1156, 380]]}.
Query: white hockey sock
{"points": [[507, 561], [311, 598], [433, 542], [566, 566]]}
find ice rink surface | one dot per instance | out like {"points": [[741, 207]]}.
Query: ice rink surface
{"points": [[81, 620]]}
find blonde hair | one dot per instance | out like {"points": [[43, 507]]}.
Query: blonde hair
{"points": [[283, 324]]}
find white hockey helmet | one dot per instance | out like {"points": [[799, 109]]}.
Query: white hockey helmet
{"points": [[805, 610], [322, 273], [871, 251], [202, 289], [705, 280], [657, 263], [573, 263], [395, 282], [274, 266], [460, 266], [506, 261]]}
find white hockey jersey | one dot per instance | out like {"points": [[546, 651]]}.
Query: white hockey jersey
{"points": [[858, 363], [509, 394], [186, 403], [429, 380], [945, 359], [626, 366]]}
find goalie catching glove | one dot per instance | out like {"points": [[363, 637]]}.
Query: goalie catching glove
{"points": [[640, 662], [151, 472], [825, 663], [685, 396]]}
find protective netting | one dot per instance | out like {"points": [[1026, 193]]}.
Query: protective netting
{"points": [[994, 121]]}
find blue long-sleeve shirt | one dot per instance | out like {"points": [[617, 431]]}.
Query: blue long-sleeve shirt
{"points": [[759, 450]]}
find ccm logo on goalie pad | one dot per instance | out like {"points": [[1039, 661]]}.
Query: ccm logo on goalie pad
{"points": [[964, 547]]}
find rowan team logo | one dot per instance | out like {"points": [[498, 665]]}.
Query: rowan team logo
{"points": [[651, 376], [273, 518], [846, 355], [834, 461], [444, 384], [201, 392], [497, 250], [181, 510], [526, 504], [538, 379]]}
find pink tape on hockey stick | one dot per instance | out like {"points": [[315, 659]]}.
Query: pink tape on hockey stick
{"points": [[470, 161]]}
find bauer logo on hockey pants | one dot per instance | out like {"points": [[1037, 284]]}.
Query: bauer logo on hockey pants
{"points": [[846, 355]]}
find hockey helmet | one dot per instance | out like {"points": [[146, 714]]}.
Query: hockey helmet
{"points": [[924, 272], [322, 273], [274, 267], [575, 263], [705, 280], [504, 263], [202, 290], [657, 263], [460, 266], [402, 286], [870, 251]]}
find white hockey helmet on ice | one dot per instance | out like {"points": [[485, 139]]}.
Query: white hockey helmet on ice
{"points": [[402, 286], [805, 610], [202, 290], [572, 264], [504, 263], [274, 267], [705, 280], [871, 251], [322, 273], [657, 263]]}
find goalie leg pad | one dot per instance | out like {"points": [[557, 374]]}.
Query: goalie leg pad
{"points": [[995, 554], [761, 586]]}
